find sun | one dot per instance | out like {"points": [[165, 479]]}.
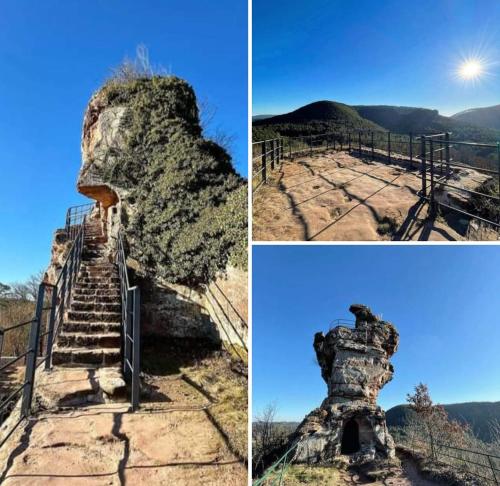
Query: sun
{"points": [[471, 69]]}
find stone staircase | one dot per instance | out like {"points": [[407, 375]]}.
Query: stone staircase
{"points": [[90, 334]]}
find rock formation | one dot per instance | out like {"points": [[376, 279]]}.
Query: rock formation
{"points": [[355, 366], [177, 198]]}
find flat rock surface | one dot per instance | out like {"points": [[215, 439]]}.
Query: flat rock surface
{"points": [[339, 197], [169, 441]]}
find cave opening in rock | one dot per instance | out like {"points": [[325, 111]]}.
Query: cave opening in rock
{"points": [[350, 438]]}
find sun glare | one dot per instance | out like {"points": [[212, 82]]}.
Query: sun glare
{"points": [[471, 69]]}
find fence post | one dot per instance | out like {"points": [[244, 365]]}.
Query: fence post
{"points": [[498, 156], [411, 150], [29, 376], [290, 147], [311, 145], [359, 143], [431, 160], [50, 335], [432, 446], [389, 146], [264, 162], [447, 153], [423, 168], [281, 148], [492, 469], [349, 136], [373, 148], [274, 154], [136, 363]]}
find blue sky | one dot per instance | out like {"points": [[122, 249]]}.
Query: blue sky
{"points": [[393, 52], [54, 55], [442, 299]]}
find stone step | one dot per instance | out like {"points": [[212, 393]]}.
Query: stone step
{"points": [[96, 298], [91, 327], [97, 280], [91, 316], [98, 272], [96, 307], [86, 357], [97, 286], [93, 261], [88, 341]]}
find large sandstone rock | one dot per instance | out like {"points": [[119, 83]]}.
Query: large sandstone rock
{"points": [[355, 366], [215, 310]]}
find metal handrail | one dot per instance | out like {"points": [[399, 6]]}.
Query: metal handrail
{"points": [[130, 325], [60, 295], [271, 469]]}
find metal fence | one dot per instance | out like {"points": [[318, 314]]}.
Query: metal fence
{"points": [[434, 157], [75, 216], [274, 475], [43, 329], [130, 326]]}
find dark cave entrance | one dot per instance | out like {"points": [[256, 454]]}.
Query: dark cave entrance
{"points": [[350, 438]]}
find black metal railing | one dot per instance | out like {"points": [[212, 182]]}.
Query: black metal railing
{"points": [[275, 474], [75, 216], [130, 325], [225, 312], [43, 329], [434, 156]]}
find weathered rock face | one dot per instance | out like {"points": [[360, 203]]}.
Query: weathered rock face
{"points": [[355, 366], [180, 203]]}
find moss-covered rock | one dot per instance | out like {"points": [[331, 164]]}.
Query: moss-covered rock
{"points": [[184, 207]]}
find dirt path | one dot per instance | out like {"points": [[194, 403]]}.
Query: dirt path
{"points": [[338, 197], [171, 440]]}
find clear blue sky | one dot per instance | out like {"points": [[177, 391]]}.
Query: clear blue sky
{"points": [[442, 299], [55, 54], [396, 52]]}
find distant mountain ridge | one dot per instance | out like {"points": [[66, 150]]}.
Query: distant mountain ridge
{"points": [[479, 415], [487, 117], [322, 116]]}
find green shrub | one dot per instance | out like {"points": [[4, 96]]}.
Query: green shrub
{"points": [[189, 214]]}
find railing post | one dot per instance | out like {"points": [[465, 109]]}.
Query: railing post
{"points": [[423, 167], [327, 142], [136, 363], [492, 469], [290, 147], [433, 452], [411, 150], [349, 140], [359, 143], [310, 145], [373, 147], [389, 146], [264, 162], [127, 345], [498, 156], [50, 335], [273, 153], [29, 376], [281, 149], [431, 160]]}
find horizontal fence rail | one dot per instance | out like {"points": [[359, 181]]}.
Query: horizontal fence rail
{"points": [[434, 157], [130, 325]]}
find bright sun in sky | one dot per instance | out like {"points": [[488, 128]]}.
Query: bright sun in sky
{"points": [[471, 69]]}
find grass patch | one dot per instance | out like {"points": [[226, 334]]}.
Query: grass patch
{"points": [[229, 388], [318, 475]]}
